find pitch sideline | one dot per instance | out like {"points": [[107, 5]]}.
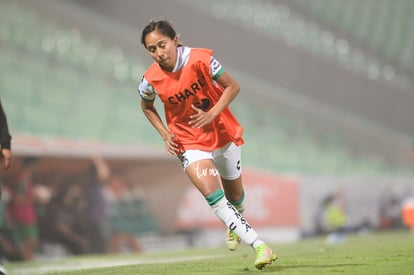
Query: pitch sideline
{"points": [[83, 264]]}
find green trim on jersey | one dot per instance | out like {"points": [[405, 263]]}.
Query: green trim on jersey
{"points": [[218, 74], [148, 100]]}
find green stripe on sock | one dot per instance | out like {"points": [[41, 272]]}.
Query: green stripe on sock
{"points": [[214, 197], [239, 202]]}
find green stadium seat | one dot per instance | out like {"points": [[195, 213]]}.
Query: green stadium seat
{"points": [[56, 82]]}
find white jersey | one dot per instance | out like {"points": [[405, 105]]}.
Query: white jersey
{"points": [[148, 92]]}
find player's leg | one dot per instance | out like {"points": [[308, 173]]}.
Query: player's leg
{"points": [[234, 193], [228, 162], [205, 177], [200, 168]]}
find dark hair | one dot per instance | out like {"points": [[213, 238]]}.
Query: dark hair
{"points": [[162, 26]]}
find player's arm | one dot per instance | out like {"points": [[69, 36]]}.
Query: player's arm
{"points": [[231, 90], [152, 115], [147, 93]]}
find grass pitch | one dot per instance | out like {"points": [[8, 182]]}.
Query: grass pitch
{"points": [[379, 253]]}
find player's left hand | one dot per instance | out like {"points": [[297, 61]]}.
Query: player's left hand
{"points": [[200, 118]]}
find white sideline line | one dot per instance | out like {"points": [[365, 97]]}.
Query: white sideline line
{"points": [[88, 264]]}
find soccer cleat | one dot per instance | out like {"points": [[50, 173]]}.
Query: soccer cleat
{"points": [[264, 256], [232, 240]]}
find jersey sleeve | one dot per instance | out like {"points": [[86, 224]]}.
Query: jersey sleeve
{"points": [[146, 91], [216, 69]]}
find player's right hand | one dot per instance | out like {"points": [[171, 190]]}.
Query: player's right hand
{"points": [[171, 145]]}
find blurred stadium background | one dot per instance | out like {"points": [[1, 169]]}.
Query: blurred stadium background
{"points": [[326, 101]]}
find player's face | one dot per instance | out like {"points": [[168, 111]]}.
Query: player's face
{"points": [[162, 49]]}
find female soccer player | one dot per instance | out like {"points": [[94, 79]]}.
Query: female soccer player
{"points": [[202, 132]]}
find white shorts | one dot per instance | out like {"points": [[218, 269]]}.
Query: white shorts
{"points": [[227, 159]]}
